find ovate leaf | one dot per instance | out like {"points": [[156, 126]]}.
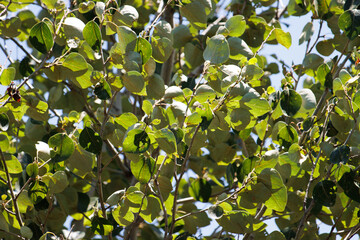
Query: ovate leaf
{"points": [[236, 25], [90, 140], [340, 154], [290, 102], [101, 226], [37, 191], [349, 184], [349, 22], [324, 193], [142, 168], [217, 50], [7, 75], [41, 37], [237, 221], [144, 48], [282, 37], [136, 141], [62, 147], [166, 140], [272, 180], [92, 35]]}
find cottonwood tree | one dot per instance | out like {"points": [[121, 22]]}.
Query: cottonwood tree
{"points": [[144, 119]]}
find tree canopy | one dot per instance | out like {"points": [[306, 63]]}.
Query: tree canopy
{"points": [[144, 119]]}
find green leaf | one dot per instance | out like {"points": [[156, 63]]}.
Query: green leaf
{"points": [[127, 15], [10, 27], [73, 28], [325, 47], [239, 48], [37, 191], [153, 209], [200, 189], [126, 120], [155, 88], [282, 37], [142, 168], [134, 197], [323, 74], [257, 106], [324, 193], [4, 142], [349, 22], [166, 140], [195, 13], [340, 155], [41, 37], [127, 39], [173, 92], [76, 63], [136, 141], [205, 93], [12, 163], [62, 146], [134, 82], [90, 140], [237, 221], [217, 50], [322, 9], [349, 184], [101, 226], [161, 49], [144, 48], [103, 90], [252, 72], [58, 182], [7, 75], [122, 215], [181, 35], [115, 197], [92, 35], [307, 33], [290, 102], [81, 162], [85, 7], [272, 180], [236, 25], [287, 136], [206, 115], [312, 61], [26, 232], [32, 169]]}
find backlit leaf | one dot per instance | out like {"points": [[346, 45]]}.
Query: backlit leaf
{"points": [[41, 37]]}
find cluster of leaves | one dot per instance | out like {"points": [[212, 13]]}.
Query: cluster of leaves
{"points": [[125, 124]]}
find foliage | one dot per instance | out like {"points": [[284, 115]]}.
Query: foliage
{"points": [[154, 119]]}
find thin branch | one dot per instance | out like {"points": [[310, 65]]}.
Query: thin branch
{"points": [[263, 43], [147, 31], [317, 38], [248, 179], [3, 12], [337, 220], [25, 51], [13, 234], [17, 211], [183, 167]]}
